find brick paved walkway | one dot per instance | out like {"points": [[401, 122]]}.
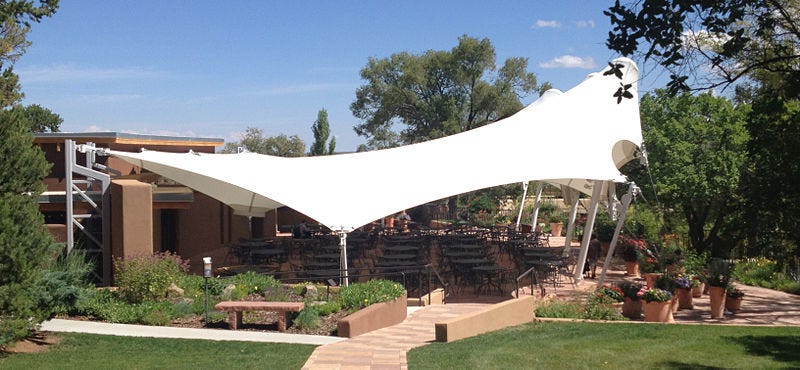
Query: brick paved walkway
{"points": [[386, 348]]}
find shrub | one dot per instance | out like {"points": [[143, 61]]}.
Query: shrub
{"points": [[561, 310], [65, 281], [251, 282], [146, 278], [308, 318], [328, 308], [356, 296]]}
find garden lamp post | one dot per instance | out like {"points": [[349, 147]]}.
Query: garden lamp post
{"points": [[206, 275]]}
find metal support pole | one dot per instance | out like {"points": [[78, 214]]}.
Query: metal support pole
{"points": [[522, 204], [535, 214], [587, 231], [626, 202], [345, 280]]}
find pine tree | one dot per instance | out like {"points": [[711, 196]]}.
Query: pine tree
{"points": [[24, 242]]}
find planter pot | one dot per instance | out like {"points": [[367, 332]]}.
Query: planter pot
{"points": [[631, 268], [685, 298], [674, 303], [650, 278], [697, 291], [556, 228], [632, 309], [733, 304], [657, 311], [717, 296]]}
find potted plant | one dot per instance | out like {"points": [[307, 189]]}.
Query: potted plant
{"points": [[629, 249], [683, 285], [719, 272], [733, 298], [657, 304], [632, 305], [609, 294], [557, 220]]}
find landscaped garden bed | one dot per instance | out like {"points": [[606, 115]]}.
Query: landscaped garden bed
{"points": [[156, 290]]}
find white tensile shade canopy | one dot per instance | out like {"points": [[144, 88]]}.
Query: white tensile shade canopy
{"points": [[346, 191]]}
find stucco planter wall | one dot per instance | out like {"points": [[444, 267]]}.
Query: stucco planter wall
{"points": [[376, 316]]}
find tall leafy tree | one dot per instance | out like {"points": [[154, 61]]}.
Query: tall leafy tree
{"points": [[24, 241], [253, 140], [755, 46], [322, 130], [707, 44], [438, 93], [696, 148]]}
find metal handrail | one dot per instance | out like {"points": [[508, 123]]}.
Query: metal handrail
{"points": [[534, 281]]}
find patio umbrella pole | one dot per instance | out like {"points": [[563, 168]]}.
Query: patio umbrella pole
{"points": [[536, 203], [343, 258]]}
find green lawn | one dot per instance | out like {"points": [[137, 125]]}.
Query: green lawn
{"points": [[616, 346], [88, 351]]}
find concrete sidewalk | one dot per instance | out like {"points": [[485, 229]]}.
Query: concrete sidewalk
{"points": [[91, 327]]}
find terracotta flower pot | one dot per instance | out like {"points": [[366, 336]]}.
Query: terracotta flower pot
{"points": [[685, 298], [650, 278], [674, 302], [631, 268], [717, 296], [733, 304], [697, 291], [657, 311], [632, 309]]}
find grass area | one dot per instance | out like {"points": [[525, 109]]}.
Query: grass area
{"points": [[88, 351], [616, 346]]}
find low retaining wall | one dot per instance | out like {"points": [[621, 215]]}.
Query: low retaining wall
{"points": [[376, 316], [504, 314], [437, 297]]}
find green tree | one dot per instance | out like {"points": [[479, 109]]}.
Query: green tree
{"points": [[42, 119], [707, 44], [253, 140], [24, 242], [753, 45], [438, 93], [322, 131], [696, 147]]}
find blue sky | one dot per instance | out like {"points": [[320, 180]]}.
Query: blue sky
{"points": [[213, 68]]}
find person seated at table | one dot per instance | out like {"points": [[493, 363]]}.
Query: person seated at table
{"points": [[301, 230], [592, 256]]}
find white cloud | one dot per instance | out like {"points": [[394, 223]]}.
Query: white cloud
{"points": [[73, 72], [569, 61], [584, 24], [540, 23]]}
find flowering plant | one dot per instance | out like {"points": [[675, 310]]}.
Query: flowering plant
{"points": [[732, 292], [654, 295], [719, 273], [630, 290], [686, 281], [609, 293], [631, 248]]}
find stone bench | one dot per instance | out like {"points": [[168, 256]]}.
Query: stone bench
{"points": [[235, 309]]}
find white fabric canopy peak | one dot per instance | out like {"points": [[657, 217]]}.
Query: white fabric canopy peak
{"points": [[345, 191]]}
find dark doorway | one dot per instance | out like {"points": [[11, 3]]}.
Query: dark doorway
{"points": [[169, 230]]}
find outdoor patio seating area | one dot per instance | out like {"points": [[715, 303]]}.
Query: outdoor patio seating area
{"points": [[465, 260]]}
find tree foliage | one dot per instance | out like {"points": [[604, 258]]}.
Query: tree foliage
{"points": [[24, 242], [322, 130], [253, 140], [707, 44], [696, 147], [438, 93]]}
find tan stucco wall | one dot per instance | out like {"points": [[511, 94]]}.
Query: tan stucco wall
{"points": [[504, 314], [131, 218]]}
